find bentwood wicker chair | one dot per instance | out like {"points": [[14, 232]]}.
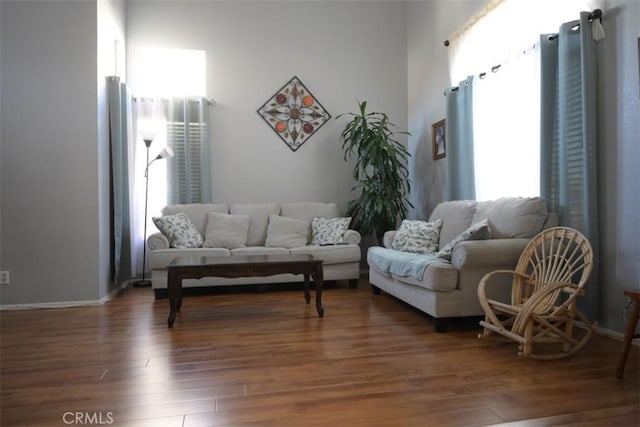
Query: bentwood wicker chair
{"points": [[550, 275]]}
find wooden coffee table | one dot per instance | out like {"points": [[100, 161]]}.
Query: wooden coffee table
{"points": [[242, 266]]}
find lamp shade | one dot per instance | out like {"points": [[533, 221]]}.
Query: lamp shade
{"points": [[165, 153], [149, 129]]}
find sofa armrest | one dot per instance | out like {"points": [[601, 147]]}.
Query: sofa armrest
{"points": [[488, 253], [158, 241], [388, 238], [352, 237]]}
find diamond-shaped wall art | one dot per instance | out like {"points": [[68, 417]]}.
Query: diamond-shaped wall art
{"points": [[294, 113]]}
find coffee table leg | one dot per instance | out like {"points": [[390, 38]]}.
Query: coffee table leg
{"points": [[178, 295], [318, 278], [172, 284], [307, 295]]}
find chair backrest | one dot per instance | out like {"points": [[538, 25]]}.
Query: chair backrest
{"points": [[555, 255]]}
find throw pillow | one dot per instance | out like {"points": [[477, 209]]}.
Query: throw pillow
{"points": [[417, 236], [284, 232], [179, 230], [226, 231], [478, 231], [329, 231]]}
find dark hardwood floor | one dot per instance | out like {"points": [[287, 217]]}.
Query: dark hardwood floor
{"points": [[266, 359]]}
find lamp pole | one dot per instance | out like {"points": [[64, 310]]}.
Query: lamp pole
{"points": [[149, 129], [145, 283]]}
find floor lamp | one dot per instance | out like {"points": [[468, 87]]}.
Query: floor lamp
{"points": [[148, 134]]}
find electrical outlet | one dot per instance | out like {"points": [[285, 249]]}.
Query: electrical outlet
{"points": [[4, 277]]}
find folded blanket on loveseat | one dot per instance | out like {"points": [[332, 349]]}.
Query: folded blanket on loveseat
{"points": [[405, 264]]}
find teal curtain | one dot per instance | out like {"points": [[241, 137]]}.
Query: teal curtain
{"points": [[459, 142], [119, 100], [189, 171], [569, 166]]}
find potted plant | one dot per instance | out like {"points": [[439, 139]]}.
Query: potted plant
{"points": [[380, 172]]}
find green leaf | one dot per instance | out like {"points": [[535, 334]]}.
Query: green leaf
{"points": [[380, 171]]}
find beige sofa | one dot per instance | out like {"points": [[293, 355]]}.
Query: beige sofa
{"points": [[340, 261], [449, 289]]}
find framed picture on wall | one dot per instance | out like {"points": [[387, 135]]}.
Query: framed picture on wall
{"points": [[438, 140]]}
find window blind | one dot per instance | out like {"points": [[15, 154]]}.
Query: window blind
{"points": [[185, 170]]}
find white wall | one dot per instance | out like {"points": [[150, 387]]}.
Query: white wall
{"points": [[430, 23], [49, 154], [342, 51]]}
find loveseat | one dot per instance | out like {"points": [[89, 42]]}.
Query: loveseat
{"points": [[255, 229], [469, 239]]}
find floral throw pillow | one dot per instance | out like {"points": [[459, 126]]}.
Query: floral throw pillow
{"points": [[179, 230], [478, 231], [416, 236], [329, 231]]}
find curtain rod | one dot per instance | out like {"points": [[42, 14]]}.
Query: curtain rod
{"points": [[210, 101], [482, 75], [596, 14]]}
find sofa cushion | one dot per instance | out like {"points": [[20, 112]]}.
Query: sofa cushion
{"points": [[197, 212], [286, 232], [179, 230], [477, 231], [511, 217], [436, 277], [259, 213], [329, 231], [306, 211], [456, 217], [417, 236], [333, 254], [226, 231], [160, 258], [259, 250]]}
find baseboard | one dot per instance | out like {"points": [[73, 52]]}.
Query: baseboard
{"points": [[618, 336], [66, 304], [615, 335]]}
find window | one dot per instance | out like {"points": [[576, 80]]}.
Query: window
{"points": [[168, 73], [170, 86], [506, 129], [506, 98], [187, 174]]}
